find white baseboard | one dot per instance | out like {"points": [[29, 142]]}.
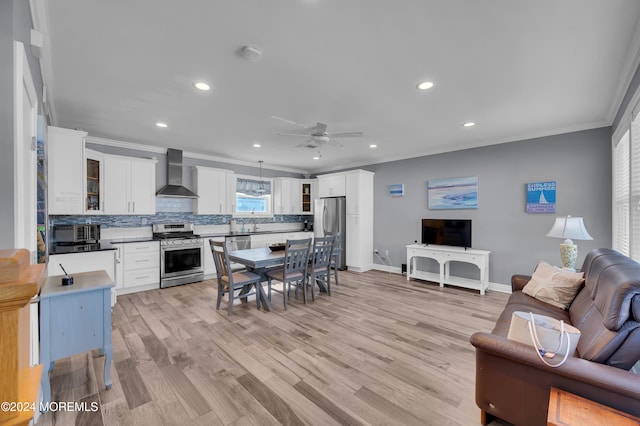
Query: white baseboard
{"points": [[501, 288]]}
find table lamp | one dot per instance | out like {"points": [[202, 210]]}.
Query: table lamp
{"points": [[569, 228]]}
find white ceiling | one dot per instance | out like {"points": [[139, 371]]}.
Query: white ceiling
{"points": [[518, 68]]}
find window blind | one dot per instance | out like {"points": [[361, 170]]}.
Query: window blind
{"points": [[621, 181]]}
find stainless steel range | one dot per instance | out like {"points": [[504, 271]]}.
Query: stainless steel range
{"points": [[181, 254]]}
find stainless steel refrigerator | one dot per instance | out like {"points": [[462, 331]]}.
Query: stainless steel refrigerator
{"points": [[330, 217]]}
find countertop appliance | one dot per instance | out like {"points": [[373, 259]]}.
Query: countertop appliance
{"points": [[75, 238], [181, 254], [329, 219]]}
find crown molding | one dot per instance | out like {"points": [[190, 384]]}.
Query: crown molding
{"points": [[195, 155]]}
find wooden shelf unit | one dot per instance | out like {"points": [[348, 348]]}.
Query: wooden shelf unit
{"points": [[19, 283]]}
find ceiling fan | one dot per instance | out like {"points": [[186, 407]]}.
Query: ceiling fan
{"points": [[317, 135]]}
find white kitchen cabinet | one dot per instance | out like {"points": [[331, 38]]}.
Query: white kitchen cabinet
{"points": [[116, 194], [294, 196], [212, 187], [143, 186], [209, 263], [141, 266], [75, 263], [287, 196], [332, 185], [130, 185], [231, 192], [65, 150], [359, 191]]}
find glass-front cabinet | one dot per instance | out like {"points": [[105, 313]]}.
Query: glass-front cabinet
{"points": [[95, 182], [307, 200]]}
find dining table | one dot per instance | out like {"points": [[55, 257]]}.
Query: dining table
{"points": [[260, 260]]}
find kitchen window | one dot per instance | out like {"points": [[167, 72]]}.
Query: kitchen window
{"points": [[253, 197]]}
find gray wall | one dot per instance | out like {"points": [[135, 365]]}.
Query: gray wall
{"points": [[15, 24], [579, 162]]}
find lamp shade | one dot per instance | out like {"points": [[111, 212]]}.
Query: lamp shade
{"points": [[571, 228]]}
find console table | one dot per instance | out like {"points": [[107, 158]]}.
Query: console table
{"points": [[444, 255], [75, 319]]}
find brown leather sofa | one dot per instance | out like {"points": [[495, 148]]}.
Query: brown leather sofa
{"points": [[513, 384]]}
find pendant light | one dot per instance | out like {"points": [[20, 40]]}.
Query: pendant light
{"points": [[261, 187]]}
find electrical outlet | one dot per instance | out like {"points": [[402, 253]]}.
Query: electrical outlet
{"points": [[386, 252], [87, 221], [144, 220]]}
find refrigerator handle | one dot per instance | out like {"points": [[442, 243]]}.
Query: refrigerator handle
{"points": [[324, 221]]}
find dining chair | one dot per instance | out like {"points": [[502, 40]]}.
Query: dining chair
{"points": [[335, 254], [319, 270], [229, 281], [294, 271]]}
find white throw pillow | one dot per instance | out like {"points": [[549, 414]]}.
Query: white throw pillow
{"points": [[555, 286]]}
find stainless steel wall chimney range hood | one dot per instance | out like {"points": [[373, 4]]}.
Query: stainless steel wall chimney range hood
{"points": [[174, 187]]}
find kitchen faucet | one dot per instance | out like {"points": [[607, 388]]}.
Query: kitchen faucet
{"points": [[255, 225]]}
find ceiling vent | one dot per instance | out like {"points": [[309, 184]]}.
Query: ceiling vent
{"points": [[250, 53]]}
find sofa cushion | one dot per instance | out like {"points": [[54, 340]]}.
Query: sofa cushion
{"points": [[605, 309], [598, 261], [617, 286], [553, 285]]}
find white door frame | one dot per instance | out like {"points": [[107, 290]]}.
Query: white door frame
{"points": [[25, 110]]}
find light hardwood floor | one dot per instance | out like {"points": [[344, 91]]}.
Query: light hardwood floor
{"points": [[381, 350]]}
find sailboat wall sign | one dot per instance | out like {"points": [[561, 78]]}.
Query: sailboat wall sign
{"points": [[541, 197]]}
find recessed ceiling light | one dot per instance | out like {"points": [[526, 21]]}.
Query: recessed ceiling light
{"points": [[201, 86], [469, 124], [373, 145], [161, 124], [425, 85], [256, 145], [316, 157]]}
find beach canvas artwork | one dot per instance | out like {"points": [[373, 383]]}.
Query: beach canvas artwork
{"points": [[453, 193], [396, 190]]}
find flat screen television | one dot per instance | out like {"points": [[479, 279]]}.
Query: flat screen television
{"points": [[447, 232]]}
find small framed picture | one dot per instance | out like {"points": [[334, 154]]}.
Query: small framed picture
{"points": [[541, 197], [396, 190]]}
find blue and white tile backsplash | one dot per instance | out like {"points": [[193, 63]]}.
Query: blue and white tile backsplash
{"points": [[135, 221]]}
